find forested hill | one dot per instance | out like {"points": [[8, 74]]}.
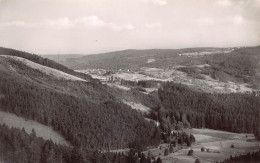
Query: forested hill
{"points": [[128, 59], [230, 112], [85, 113], [238, 65], [43, 61]]}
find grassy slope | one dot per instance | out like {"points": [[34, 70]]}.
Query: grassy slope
{"points": [[214, 140], [41, 130], [44, 69], [43, 61]]}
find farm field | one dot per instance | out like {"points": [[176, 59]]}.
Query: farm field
{"points": [[217, 145], [137, 106], [41, 130], [207, 84]]}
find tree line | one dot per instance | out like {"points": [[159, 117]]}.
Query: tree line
{"points": [[253, 157], [141, 83], [17, 146]]}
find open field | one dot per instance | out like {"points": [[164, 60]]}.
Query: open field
{"points": [[41, 130], [136, 77], [114, 85], [217, 146], [193, 66], [137, 106], [206, 84]]}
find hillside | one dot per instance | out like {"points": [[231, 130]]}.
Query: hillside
{"points": [[61, 58], [83, 112], [118, 115], [131, 59], [235, 68], [42, 61], [234, 112], [43, 131], [45, 69]]}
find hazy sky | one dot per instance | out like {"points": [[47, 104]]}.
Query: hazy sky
{"points": [[93, 26]]}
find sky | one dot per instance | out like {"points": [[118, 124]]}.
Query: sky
{"points": [[96, 26]]}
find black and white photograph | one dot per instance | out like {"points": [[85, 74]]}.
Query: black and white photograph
{"points": [[129, 81]]}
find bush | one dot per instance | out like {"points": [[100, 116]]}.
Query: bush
{"points": [[171, 149], [207, 150], [158, 160], [197, 160], [180, 141], [166, 152], [190, 152], [232, 146], [174, 143], [188, 143], [192, 138], [202, 149]]}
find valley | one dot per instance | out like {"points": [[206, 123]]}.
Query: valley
{"points": [[129, 81], [217, 144], [209, 70], [207, 84], [147, 103], [216, 147]]}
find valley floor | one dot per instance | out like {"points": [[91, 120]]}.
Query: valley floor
{"points": [[217, 145]]}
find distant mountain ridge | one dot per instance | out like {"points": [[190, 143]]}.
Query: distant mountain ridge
{"points": [[127, 58], [239, 65]]}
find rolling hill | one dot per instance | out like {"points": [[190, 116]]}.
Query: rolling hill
{"points": [[131, 59], [238, 65], [72, 108], [78, 107]]}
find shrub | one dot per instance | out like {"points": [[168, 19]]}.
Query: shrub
{"points": [[197, 160], [192, 138], [166, 152], [158, 160], [232, 146], [190, 152], [174, 143], [202, 149], [171, 149], [188, 143]]}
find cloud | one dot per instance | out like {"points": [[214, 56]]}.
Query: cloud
{"points": [[90, 21], [97, 22], [121, 27], [238, 20], [13, 23], [153, 25], [225, 3], [157, 2], [65, 23], [47, 23], [58, 23], [204, 21]]}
